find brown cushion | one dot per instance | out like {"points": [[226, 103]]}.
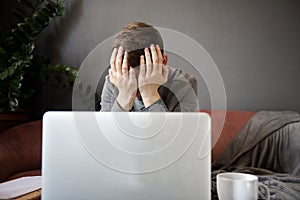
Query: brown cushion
{"points": [[20, 149]]}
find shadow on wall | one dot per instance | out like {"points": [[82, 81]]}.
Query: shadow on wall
{"points": [[49, 44], [56, 37]]}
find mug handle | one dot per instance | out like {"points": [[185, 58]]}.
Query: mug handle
{"points": [[266, 189]]}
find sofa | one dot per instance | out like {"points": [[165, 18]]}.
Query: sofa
{"points": [[21, 146]]}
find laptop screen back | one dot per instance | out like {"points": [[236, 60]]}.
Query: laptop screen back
{"points": [[96, 155]]}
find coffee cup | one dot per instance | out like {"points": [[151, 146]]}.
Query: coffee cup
{"points": [[236, 186]]}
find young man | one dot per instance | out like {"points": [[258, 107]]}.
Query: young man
{"points": [[139, 78]]}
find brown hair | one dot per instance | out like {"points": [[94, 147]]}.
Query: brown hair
{"points": [[134, 38]]}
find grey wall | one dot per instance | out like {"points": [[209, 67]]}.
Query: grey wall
{"points": [[255, 44]]}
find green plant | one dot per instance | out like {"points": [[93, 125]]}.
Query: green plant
{"points": [[20, 66]]}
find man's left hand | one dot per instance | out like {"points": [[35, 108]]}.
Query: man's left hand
{"points": [[153, 73]]}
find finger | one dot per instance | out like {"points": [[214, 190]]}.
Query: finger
{"points": [[154, 54], [142, 66], [160, 59], [111, 75], [113, 59], [159, 54], [119, 60], [125, 64], [148, 61]]}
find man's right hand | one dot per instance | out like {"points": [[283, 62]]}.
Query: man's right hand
{"points": [[125, 81]]}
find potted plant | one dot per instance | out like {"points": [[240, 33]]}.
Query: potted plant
{"points": [[21, 68]]}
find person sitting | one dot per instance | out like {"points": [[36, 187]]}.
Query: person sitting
{"points": [[139, 78]]}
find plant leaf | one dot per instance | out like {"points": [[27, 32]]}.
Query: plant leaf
{"points": [[50, 8], [3, 59], [25, 28], [13, 104], [3, 74], [19, 35], [11, 70], [17, 49]]}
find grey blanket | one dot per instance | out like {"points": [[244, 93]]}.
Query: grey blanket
{"points": [[269, 147]]}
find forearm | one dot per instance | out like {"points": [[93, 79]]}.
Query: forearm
{"points": [[109, 99], [148, 101], [125, 102], [149, 94], [158, 106]]}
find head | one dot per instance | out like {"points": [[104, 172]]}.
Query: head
{"points": [[134, 38]]}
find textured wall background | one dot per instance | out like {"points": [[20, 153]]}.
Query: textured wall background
{"points": [[255, 44]]}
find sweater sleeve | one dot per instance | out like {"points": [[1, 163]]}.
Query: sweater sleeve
{"points": [[187, 95], [180, 93], [108, 98], [158, 106]]}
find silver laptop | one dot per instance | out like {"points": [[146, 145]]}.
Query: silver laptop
{"points": [[128, 156]]}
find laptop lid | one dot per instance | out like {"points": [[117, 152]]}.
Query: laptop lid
{"points": [[129, 155]]}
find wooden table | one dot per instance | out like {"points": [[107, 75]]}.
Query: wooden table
{"points": [[35, 195]]}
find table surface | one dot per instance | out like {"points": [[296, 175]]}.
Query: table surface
{"points": [[35, 195]]}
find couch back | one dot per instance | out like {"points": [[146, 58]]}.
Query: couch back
{"points": [[235, 120], [20, 149], [21, 146]]}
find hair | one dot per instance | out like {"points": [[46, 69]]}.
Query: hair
{"points": [[134, 38]]}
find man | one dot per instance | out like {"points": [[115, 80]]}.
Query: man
{"points": [[139, 78]]}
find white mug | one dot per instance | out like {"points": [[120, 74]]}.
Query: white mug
{"points": [[236, 186]]}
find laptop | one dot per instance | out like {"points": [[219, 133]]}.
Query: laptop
{"points": [[126, 155]]}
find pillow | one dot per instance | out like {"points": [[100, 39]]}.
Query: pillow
{"points": [[235, 120]]}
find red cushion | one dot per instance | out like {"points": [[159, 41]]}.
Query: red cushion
{"points": [[234, 121]]}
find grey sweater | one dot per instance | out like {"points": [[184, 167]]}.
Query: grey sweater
{"points": [[178, 94]]}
